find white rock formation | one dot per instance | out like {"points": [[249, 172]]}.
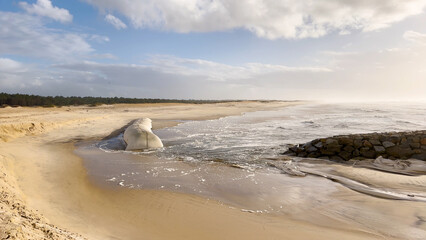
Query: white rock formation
{"points": [[139, 136]]}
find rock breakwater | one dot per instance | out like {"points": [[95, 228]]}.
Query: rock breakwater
{"points": [[392, 145]]}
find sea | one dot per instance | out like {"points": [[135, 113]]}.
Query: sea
{"points": [[234, 160]]}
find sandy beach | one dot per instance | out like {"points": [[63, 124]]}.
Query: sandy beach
{"points": [[46, 193]]}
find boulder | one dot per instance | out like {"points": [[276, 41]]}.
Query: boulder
{"points": [[367, 153], [345, 155], [399, 152], [139, 136], [387, 144], [367, 144], [357, 143], [379, 149]]}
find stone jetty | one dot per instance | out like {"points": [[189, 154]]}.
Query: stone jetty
{"points": [[392, 145]]}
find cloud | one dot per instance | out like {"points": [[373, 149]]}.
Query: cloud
{"points": [[10, 66], [116, 22], [26, 35], [46, 9], [416, 37], [377, 75], [269, 19]]}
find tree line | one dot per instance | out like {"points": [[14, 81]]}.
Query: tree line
{"points": [[50, 101]]}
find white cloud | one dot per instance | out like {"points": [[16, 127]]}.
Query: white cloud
{"points": [[270, 19], [116, 22], [221, 72], [46, 9], [416, 37], [11, 66], [26, 35], [385, 75]]}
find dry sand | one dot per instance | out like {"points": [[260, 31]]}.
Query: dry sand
{"points": [[46, 193]]}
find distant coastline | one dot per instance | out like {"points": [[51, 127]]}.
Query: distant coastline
{"points": [[25, 100]]}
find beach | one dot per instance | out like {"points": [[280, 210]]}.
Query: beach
{"points": [[48, 194]]}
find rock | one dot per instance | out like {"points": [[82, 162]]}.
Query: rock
{"points": [[336, 158], [392, 145], [387, 144], [421, 156], [302, 154], [345, 155], [367, 152], [346, 141], [356, 153], [314, 155], [139, 136], [312, 149], [357, 143], [379, 149], [333, 148], [348, 148], [327, 152], [367, 144], [415, 145], [395, 138], [319, 145], [375, 142], [331, 141], [399, 152]]}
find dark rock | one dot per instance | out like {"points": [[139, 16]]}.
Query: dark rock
{"points": [[333, 148], [312, 149], [319, 145], [384, 138], [395, 139], [379, 149], [348, 148], [399, 152], [327, 152], [346, 141], [356, 153], [415, 145], [421, 156], [387, 144], [302, 154], [331, 141], [357, 143], [307, 145], [367, 144], [345, 155], [367, 152], [314, 155], [392, 145], [336, 158]]}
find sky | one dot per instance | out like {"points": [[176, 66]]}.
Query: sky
{"points": [[343, 50]]}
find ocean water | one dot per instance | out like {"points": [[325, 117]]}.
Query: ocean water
{"points": [[254, 136], [234, 159]]}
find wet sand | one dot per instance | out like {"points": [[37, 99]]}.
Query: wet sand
{"points": [[41, 168]]}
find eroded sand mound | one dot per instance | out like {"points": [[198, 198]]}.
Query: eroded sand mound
{"points": [[139, 136]]}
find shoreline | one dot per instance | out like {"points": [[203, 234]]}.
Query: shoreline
{"points": [[51, 179]]}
